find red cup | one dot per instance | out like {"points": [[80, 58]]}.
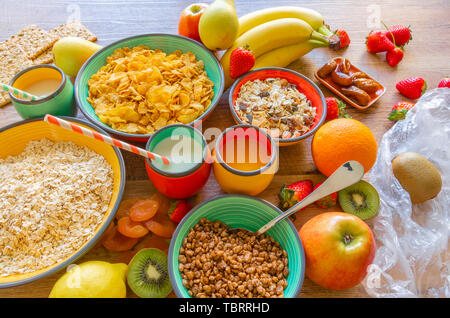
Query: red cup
{"points": [[179, 185]]}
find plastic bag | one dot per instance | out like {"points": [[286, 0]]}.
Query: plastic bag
{"points": [[412, 258]]}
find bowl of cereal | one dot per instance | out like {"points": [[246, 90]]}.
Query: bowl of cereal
{"points": [[206, 260], [59, 192], [287, 104], [137, 85]]}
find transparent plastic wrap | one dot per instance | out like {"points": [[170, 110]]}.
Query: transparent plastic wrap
{"points": [[412, 259]]}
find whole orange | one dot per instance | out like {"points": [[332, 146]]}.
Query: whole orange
{"points": [[341, 140]]}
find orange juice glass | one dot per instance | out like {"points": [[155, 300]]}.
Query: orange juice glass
{"points": [[245, 160]]}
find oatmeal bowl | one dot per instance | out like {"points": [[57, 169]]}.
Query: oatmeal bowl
{"points": [[206, 260], [288, 105], [59, 191]]}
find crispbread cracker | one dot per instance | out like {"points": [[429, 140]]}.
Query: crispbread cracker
{"points": [[75, 29], [4, 99], [45, 57], [33, 40], [12, 59]]}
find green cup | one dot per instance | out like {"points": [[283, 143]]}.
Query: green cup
{"points": [[60, 102]]}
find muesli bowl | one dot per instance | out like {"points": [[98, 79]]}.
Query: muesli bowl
{"points": [[303, 84], [13, 140], [240, 211]]}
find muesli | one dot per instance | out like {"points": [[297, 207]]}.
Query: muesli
{"points": [[275, 105]]}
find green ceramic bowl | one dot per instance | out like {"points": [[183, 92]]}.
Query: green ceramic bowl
{"points": [[167, 43], [243, 212], [58, 103]]}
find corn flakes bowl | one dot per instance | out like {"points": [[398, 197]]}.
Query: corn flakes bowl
{"points": [[137, 85]]}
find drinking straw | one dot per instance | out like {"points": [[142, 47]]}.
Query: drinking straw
{"points": [[106, 139], [19, 93]]}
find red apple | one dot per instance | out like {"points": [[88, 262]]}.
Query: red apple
{"points": [[188, 24], [338, 248]]}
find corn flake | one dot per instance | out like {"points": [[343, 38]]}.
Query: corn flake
{"points": [[140, 90]]}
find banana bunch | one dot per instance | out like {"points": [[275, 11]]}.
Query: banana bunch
{"points": [[278, 36]]}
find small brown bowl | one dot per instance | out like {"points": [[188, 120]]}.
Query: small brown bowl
{"points": [[335, 88]]}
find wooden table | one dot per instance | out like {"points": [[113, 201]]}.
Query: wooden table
{"points": [[426, 56]]}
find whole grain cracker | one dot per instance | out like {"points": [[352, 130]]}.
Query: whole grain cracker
{"points": [[45, 57], [4, 99], [73, 28], [12, 61], [33, 40]]}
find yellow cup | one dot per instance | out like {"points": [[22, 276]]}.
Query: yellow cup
{"points": [[245, 160]]}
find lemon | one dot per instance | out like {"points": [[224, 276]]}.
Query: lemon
{"points": [[93, 279]]}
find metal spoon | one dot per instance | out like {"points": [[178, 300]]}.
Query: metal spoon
{"points": [[346, 175]]}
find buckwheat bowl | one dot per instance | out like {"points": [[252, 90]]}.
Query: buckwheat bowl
{"points": [[59, 191], [206, 260]]}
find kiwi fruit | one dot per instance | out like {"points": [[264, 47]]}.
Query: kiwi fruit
{"points": [[360, 199], [418, 176], [148, 274]]}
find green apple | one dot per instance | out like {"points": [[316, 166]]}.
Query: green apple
{"points": [[338, 249], [70, 53]]}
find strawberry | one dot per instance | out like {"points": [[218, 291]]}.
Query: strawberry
{"points": [[393, 57], [328, 201], [399, 34], [335, 108], [292, 194], [444, 83], [241, 61], [178, 209], [399, 110], [412, 87], [343, 38], [377, 42]]}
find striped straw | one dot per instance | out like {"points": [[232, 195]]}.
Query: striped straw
{"points": [[18, 92], [112, 141]]}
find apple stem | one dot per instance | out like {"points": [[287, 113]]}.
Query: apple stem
{"points": [[348, 238]]}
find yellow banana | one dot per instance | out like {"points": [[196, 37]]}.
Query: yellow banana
{"points": [[269, 36], [285, 55], [312, 17]]}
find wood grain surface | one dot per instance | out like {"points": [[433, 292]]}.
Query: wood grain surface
{"points": [[426, 56]]}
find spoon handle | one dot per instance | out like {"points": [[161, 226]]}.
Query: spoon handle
{"points": [[346, 175]]}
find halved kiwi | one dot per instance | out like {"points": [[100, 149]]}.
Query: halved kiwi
{"points": [[360, 199], [148, 275]]}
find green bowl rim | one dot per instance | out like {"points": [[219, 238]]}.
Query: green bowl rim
{"points": [[177, 288], [91, 243], [262, 69], [146, 136]]}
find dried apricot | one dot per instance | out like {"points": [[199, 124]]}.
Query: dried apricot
{"points": [[116, 242], [161, 225], [164, 202], [149, 241], [130, 228], [143, 210], [125, 206]]}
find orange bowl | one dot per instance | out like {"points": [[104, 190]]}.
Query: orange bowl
{"points": [[304, 86]]}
